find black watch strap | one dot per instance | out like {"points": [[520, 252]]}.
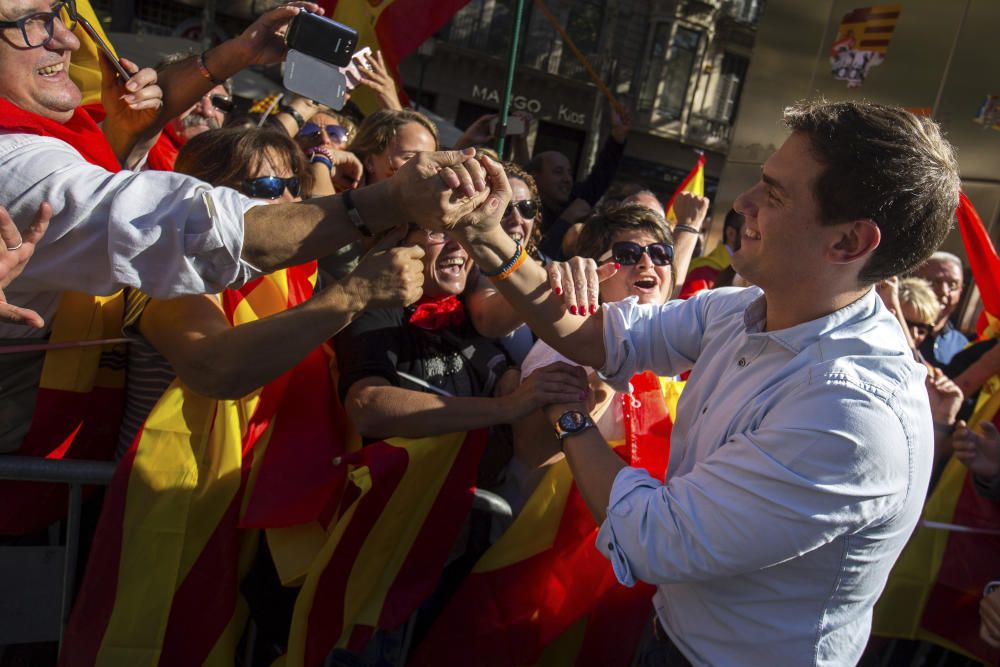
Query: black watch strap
{"points": [[296, 116], [354, 216]]}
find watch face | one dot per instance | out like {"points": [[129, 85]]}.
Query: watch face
{"points": [[573, 421]]}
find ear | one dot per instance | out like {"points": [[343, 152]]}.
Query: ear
{"points": [[856, 242]]}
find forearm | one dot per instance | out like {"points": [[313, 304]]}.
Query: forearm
{"points": [[594, 466], [978, 373], [491, 314], [684, 245], [183, 83], [283, 235], [237, 360], [386, 411], [527, 290]]}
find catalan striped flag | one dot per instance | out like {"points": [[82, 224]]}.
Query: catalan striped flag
{"points": [[934, 590], [395, 27], [870, 28], [542, 594], [693, 182], [406, 502], [161, 586]]}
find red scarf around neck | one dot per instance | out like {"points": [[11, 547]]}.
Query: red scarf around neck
{"points": [[435, 314], [81, 131]]}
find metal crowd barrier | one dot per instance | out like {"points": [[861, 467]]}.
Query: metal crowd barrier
{"points": [[30, 575]]}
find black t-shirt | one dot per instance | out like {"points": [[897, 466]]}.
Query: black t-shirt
{"points": [[456, 360]]}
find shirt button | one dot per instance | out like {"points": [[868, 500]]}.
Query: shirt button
{"points": [[742, 362], [611, 547]]}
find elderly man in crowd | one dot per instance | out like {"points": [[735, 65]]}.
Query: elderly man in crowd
{"points": [[944, 272], [803, 444]]}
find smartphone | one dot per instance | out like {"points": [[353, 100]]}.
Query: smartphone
{"points": [[358, 60], [102, 45], [515, 126], [322, 38], [316, 79]]}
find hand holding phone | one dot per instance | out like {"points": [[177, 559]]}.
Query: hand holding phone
{"points": [[322, 38], [515, 126], [353, 70], [103, 47]]}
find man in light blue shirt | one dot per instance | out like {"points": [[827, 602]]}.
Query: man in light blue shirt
{"points": [[802, 449]]}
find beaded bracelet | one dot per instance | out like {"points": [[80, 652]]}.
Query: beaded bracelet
{"points": [[509, 267], [203, 69], [679, 227]]}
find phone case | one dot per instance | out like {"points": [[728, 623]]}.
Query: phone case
{"points": [[322, 38], [315, 79]]}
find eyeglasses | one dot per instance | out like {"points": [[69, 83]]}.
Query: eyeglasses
{"points": [[37, 29], [270, 187], [528, 209], [222, 103], [920, 327], [313, 132], [628, 253]]}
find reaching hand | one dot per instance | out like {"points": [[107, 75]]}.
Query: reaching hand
{"points": [[690, 209], [387, 276], [979, 453], [620, 125], [347, 169], [477, 134], [888, 291], [377, 77], [556, 383], [131, 107], [945, 397], [264, 41], [438, 190], [17, 250], [578, 280], [576, 211]]}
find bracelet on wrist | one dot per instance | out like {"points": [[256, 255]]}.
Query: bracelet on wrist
{"points": [[508, 267], [322, 159], [686, 228], [296, 116], [205, 72], [354, 216]]}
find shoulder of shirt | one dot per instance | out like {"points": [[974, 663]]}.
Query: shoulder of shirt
{"points": [[11, 142]]}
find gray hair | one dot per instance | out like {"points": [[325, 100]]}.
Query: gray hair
{"points": [[943, 257]]}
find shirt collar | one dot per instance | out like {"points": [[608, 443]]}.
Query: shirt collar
{"points": [[802, 335]]}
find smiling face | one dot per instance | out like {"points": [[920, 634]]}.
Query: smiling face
{"points": [[646, 280], [446, 264], [783, 243], [409, 140], [517, 226], [946, 280], [201, 116], [272, 163], [37, 80]]}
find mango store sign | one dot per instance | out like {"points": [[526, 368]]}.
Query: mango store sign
{"points": [[531, 105]]}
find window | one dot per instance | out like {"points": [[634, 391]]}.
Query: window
{"points": [[667, 80], [734, 72]]}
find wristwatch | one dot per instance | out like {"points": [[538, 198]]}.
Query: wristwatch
{"points": [[572, 422]]}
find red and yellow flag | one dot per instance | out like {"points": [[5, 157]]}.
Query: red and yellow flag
{"points": [[543, 594], [407, 500], [161, 585], [934, 590], [85, 65], [704, 271], [395, 27], [693, 182]]}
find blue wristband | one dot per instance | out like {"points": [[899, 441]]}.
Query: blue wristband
{"points": [[319, 157]]}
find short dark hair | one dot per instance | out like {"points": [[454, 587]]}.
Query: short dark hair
{"points": [[734, 220], [227, 156], [885, 164], [602, 226]]}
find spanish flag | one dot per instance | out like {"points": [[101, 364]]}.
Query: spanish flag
{"points": [[162, 581], [406, 502], [693, 182], [543, 594], [934, 590], [395, 27]]}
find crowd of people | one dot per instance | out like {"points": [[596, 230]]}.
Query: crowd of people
{"points": [[450, 291]]}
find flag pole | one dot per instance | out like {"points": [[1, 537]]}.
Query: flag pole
{"points": [[508, 87]]}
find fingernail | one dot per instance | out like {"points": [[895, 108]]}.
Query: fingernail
{"points": [[593, 308], [572, 309], [558, 291], [129, 98], [617, 266], [132, 85]]}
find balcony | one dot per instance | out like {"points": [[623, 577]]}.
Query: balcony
{"points": [[708, 132]]}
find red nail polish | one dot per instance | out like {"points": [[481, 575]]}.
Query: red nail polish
{"points": [[558, 291], [617, 265], [593, 309], [572, 309]]}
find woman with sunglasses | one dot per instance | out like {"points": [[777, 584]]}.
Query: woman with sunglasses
{"points": [[190, 337], [324, 139], [638, 241]]}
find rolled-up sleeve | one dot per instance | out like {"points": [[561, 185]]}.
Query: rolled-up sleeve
{"points": [[164, 233], [780, 491]]}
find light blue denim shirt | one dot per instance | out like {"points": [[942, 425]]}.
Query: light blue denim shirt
{"points": [[798, 468]]}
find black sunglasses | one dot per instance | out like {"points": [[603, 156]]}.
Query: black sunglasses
{"points": [[922, 328], [270, 187], [37, 29], [628, 253], [527, 208], [222, 103]]}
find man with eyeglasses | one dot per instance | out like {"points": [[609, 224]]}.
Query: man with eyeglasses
{"points": [[803, 441], [163, 233], [944, 272]]}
